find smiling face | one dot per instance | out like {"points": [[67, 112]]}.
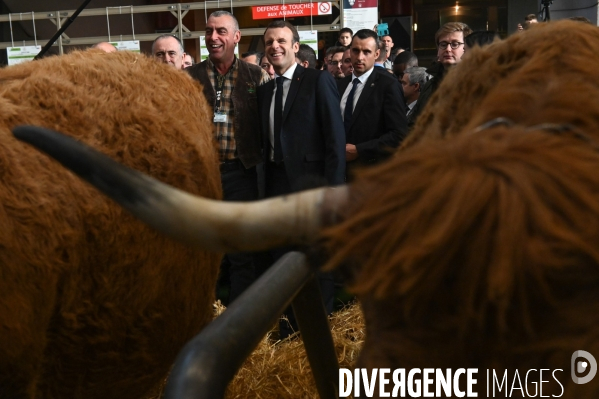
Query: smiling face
{"points": [[280, 48], [221, 38], [363, 54]]}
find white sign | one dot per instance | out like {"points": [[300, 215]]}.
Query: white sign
{"points": [[309, 37], [131, 45], [204, 50], [360, 14], [17, 55]]}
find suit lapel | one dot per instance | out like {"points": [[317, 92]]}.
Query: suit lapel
{"points": [[298, 75], [343, 85], [367, 91], [269, 88]]}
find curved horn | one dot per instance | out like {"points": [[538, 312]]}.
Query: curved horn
{"points": [[214, 225]]}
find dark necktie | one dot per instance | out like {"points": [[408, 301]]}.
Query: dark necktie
{"points": [[278, 120], [349, 106]]}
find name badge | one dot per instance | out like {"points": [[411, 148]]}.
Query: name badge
{"points": [[220, 117]]}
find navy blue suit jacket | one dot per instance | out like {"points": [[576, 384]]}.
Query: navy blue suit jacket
{"points": [[379, 120], [312, 133]]}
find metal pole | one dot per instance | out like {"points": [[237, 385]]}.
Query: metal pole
{"points": [[313, 322], [209, 362], [60, 31]]}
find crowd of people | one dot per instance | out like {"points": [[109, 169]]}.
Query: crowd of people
{"points": [[282, 125]]}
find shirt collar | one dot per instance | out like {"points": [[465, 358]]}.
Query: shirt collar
{"points": [[288, 73], [232, 68], [364, 76]]}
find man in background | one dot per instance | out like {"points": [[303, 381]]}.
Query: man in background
{"points": [[168, 49], [403, 61], [346, 65], [306, 56], [333, 58], [267, 66], [373, 108], [187, 61], [412, 81], [105, 47], [388, 40], [529, 20], [252, 57], [450, 49]]}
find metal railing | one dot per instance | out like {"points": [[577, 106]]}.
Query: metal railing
{"points": [[178, 10]]}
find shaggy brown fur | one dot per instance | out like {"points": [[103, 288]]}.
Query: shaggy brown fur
{"points": [[94, 304], [484, 250], [480, 249], [542, 75]]}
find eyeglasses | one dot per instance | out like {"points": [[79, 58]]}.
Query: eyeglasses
{"points": [[454, 45], [335, 63]]}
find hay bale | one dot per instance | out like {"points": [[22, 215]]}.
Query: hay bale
{"points": [[280, 369]]}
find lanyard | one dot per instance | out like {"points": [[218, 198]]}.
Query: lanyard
{"points": [[220, 85]]}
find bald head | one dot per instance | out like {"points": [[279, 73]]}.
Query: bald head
{"points": [[105, 47]]}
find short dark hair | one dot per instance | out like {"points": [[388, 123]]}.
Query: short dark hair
{"points": [[306, 53], [382, 51], [366, 33], [193, 61], [284, 24], [346, 30], [223, 13], [581, 19], [530, 17], [406, 57], [334, 50], [480, 38], [249, 53]]}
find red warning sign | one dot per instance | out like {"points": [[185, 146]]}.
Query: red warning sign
{"points": [[291, 10]]}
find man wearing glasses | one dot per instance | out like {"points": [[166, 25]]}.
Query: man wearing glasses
{"points": [[334, 58], [450, 49]]}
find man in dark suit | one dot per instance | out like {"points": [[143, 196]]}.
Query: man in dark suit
{"points": [[375, 120], [303, 135], [305, 141]]}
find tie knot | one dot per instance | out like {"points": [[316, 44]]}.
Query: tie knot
{"points": [[356, 81], [280, 80]]}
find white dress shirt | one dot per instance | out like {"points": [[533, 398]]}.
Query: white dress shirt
{"points": [[411, 107], [358, 91], [288, 75]]}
